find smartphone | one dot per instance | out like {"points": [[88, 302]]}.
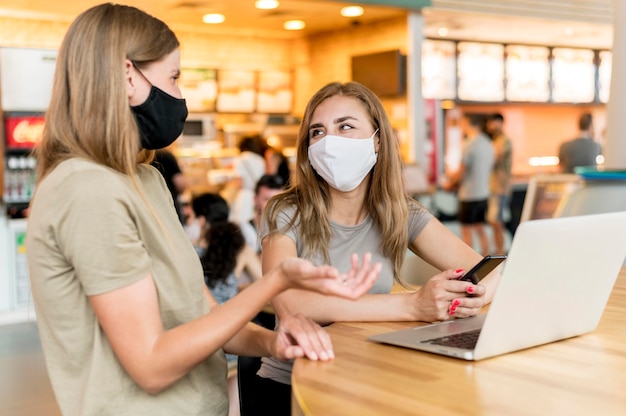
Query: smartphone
{"points": [[483, 268]]}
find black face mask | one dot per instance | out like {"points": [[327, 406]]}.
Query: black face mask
{"points": [[160, 118]]}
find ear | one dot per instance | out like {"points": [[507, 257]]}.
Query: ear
{"points": [[129, 75], [377, 141]]}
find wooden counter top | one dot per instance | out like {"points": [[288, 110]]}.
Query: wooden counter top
{"points": [[585, 375]]}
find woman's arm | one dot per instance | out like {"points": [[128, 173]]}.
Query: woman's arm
{"points": [[435, 244], [156, 358], [327, 309], [442, 249]]}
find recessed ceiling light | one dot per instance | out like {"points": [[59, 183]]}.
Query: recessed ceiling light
{"points": [[266, 4], [442, 31], [213, 18], [352, 11], [294, 25]]}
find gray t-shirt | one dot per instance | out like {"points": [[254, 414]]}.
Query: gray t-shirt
{"points": [[345, 240], [578, 152], [89, 233], [477, 158]]}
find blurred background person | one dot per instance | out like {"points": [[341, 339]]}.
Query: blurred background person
{"points": [[166, 163], [581, 151], [472, 179], [266, 187], [250, 166], [498, 210], [276, 163], [223, 251]]}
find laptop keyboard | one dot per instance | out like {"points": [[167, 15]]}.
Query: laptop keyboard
{"points": [[466, 340]]}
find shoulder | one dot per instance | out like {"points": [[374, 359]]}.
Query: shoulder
{"points": [[85, 177]]}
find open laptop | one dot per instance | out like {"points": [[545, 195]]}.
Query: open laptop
{"points": [[554, 285]]}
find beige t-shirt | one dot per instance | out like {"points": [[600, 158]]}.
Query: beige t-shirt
{"points": [[90, 232]]}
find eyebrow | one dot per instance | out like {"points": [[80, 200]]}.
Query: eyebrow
{"points": [[336, 121]]}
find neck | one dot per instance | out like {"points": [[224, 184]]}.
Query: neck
{"points": [[348, 208]]}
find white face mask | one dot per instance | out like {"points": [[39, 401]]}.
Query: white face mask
{"points": [[193, 231], [342, 162]]}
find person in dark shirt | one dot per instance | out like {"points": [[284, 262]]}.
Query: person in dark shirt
{"points": [[167, 164], [581, 151]]}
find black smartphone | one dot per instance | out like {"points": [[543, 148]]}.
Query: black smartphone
{"points": [[482, 268]]}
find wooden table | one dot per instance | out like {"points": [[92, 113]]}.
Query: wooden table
{"points": [[585, 375]]}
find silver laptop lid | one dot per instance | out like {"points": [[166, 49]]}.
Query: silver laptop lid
{"points": [[555, 283]]}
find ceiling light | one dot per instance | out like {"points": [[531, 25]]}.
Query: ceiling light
{"points": [[213, 18], [442, 31], [352, 11], [266, 4], [294, 25]]}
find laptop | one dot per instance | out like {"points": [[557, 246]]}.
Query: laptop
{"points": [[554, 285]]}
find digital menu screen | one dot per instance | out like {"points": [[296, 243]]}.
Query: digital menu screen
{"points": [[573, 75], [604, 76], [236, 91], [527, 73], [274, 92], [438, 69], [480, 71], [199, 88]]}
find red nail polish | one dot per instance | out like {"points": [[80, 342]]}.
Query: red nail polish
{"points": [[458, 270], [451, 312], [470, 289], [452, 308], [456, 303]]}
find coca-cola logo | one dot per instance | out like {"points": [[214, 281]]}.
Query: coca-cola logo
{"points": [[28, 131], [24, 131]]}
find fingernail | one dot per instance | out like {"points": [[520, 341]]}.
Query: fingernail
{"points": [[456, 302], [470, 289], [323, 356], [313, 356], [458, 270], [452, 309], [451, 312]]}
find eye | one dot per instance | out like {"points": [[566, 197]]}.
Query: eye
{"points": [[345, 127], [316, 133]]}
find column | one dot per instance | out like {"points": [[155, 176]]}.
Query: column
{"points": [[615, 147], [415, 102]]}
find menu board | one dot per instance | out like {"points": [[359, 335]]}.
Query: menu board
{"points": [[236, 91], [573, 75], [480, 71], [438, 69], [275, 93], [604, 76], [527, 73], [199, 88]]}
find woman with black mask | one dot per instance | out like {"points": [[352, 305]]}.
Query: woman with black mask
{"points": [[126, 323]]}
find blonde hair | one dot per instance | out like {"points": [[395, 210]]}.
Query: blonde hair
{"points": [[386, 201], [89, 114]]}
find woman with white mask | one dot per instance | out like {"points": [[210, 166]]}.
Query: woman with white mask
{"points": [[347, 196]]}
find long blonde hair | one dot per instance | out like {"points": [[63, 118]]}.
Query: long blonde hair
{"points": [[89, 114], [386, 201]]}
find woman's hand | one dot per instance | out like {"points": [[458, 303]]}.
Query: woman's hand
{"points": [[444, 297], [298, 336], [302, 274]]}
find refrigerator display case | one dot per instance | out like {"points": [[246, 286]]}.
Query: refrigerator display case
{"points": [[25, 87]]}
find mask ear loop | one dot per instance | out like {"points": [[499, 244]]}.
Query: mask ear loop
{"points": [[141, 73], [372, 136]]}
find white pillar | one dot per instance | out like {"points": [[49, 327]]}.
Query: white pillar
{"points": [[415, 102], [615, 147]]}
